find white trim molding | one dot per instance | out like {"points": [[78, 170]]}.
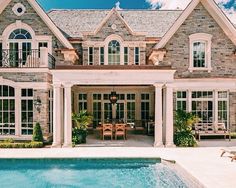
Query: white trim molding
{"points": [[107, 41], [207, 40]]}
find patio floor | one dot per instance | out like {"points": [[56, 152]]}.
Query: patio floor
{"points": [[133, 140], [137, 140]]}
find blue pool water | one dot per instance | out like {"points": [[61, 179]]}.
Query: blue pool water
{"points": [[87, 173]]}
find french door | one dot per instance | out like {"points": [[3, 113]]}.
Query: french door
{"points": [[120, 111], [18, 53]]}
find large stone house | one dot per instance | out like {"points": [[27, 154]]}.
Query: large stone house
{"points": [[157, 61]]}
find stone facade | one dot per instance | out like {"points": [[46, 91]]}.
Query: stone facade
{"points": [[200, 21], [43, 116], [27, 76], [122, 31], [31, 18]]}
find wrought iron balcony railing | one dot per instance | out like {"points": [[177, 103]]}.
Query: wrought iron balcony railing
{"points": [[26, 59]]}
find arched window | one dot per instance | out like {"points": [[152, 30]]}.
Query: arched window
{"points": [[114, 53], [20, 34]]}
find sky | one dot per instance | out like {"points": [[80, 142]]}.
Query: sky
{"points": [[228, 6]]}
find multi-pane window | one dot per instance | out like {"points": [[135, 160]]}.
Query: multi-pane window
{"points": [[145, 107], [202, 105], [20, 34], [126, 55], [102, 57], [223, 107], [199, 54], [97, 108], [136, 55], [50, 111], [90, 55], [130, 107], [27, 111], [7, 110], [181, 100], [82, 102], [114, 53]]}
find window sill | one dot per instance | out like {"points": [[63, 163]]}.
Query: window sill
{"points": [[192, 69]]}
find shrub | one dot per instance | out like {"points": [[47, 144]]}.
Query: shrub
{"points": [[37, 133], [79, 135], [183, 135], [21, 145]]}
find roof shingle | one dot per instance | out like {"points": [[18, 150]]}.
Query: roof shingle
{"points": [[155, 23]]}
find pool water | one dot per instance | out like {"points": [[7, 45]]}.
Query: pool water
{"points": [[87, 173]]}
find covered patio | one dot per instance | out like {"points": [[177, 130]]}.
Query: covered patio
{"points": [[68, 83]]}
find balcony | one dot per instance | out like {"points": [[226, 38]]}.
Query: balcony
{"points": [[26, 59]]}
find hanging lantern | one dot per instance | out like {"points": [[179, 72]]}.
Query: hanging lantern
{"points": [[113, 97]]}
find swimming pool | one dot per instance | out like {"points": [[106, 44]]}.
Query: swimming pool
{"points": [[86, 173]]}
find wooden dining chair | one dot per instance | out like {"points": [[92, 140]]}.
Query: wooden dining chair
{"points": [[120, 131], [107, 130]]}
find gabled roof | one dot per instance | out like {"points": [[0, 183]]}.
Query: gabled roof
{"points": [[214, 11], [45, 18], [113, 11], [154, 23]]}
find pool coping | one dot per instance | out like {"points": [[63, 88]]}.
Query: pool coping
{"points": [[203, 164]]}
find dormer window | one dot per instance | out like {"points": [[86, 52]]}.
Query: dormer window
{"points": [[114, 53], [200, 52]]}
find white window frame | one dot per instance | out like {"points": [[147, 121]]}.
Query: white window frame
{"points": [[126, 63], [27, 98], [100, 63], [136, 54], [90, 63], [207, 39], [120, 40]]}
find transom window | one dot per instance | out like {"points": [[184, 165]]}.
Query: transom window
{"points": [[199, 54], [114, 53], [20, 34]]}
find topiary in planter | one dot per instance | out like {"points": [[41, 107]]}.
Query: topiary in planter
{"points": [[37, 133]]}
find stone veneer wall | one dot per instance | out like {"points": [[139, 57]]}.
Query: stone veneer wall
{"points": [[27, 76], [31, 18], [232, 111], [122, 31], [200, 21], [42, 117]]}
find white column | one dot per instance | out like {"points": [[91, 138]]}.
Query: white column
{"points": [[169, 117], [43, 57], [158, 116], [57, 115], [189, 102], [67, 116]]}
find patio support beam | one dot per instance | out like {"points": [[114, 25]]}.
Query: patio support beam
{"points": [[67, 116], [169, 117], [158, 116], [57, 92]]}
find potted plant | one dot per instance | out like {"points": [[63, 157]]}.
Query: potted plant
{"points": [[81, 122], [184, 136]]}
